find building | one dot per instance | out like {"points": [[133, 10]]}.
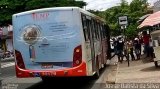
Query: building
{"points": [[156, 6], [6, 34]]}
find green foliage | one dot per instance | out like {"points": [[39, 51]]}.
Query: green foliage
{"points": [[131, 31], [134, 11], [10, 7]]}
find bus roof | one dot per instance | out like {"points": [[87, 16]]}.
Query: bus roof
{"points": [[59, 8], [90, 14]]}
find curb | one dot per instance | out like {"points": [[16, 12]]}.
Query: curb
{"points": [[113, 55], [117, 73], [111, 78]]}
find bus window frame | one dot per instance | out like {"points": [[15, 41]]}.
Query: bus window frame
{"points": [[93, 30], [96, 29], [85, 27]]}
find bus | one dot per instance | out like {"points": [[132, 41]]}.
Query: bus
{"points": [[59, 42]]}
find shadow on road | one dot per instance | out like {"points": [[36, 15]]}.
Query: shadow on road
{"points": [[152, 68], [67, 83]]}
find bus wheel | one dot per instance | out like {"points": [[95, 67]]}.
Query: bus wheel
{"points": [[156, 63], [97, 74]]}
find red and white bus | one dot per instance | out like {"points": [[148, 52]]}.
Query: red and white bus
{"points": [[59, 42]]}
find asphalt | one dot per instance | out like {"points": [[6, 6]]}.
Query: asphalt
{"points": [[107, 76]]}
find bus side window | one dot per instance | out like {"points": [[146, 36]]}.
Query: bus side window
{"points": [[96, 29], [100, 31], [88, 29], [103, 31], [93, 30], [85, 27]]}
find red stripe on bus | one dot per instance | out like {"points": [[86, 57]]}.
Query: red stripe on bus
{"points": [[68, 72]]}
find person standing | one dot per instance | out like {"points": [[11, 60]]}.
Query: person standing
{"points": [[115, 45], [130, 50], [140, 42], [137, 47], [146, 38], [120, 47], [151, 50]]}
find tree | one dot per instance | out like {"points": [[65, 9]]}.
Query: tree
{"points": [[10, 7], [134, 11], [131, 31]]}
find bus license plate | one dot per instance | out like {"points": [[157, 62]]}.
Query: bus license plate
{"points": [[47, 66]]}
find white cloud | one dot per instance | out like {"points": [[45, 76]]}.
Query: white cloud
{"points": [[104, 4]]}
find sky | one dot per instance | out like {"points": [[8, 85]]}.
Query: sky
{"points": [[104, 4]]}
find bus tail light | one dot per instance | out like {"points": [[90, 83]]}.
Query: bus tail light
{"points": [[19, 60], [77, 56]]}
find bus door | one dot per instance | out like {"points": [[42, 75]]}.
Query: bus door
{"points": [[87, 38], [89, 23], [96, 39], [100, 42], [104, 48]]}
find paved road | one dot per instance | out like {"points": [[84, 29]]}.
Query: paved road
{"points": [[10, 80], [7, 68]]}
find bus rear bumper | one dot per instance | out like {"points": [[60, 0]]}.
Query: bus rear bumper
{"points": [[68, 72]]}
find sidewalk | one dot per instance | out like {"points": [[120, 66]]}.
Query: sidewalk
{"points": [[138, 72], [111, 77]]}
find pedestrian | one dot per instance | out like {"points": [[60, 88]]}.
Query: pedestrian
{"points": [[130, 50], [137, 47], [146, 38], [115, 45], [126, 50], [151, 50], [120, 47], [140, 44]]}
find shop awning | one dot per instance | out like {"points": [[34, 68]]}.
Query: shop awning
{"points": [[151, 20], [141, 19]]}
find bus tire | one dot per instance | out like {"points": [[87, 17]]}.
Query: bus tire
{"points": [[97, 74], [156, 64]]}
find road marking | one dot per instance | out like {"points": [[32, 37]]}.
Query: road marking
{"points": [[8, 65], [15, 80], [8, 78]]}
